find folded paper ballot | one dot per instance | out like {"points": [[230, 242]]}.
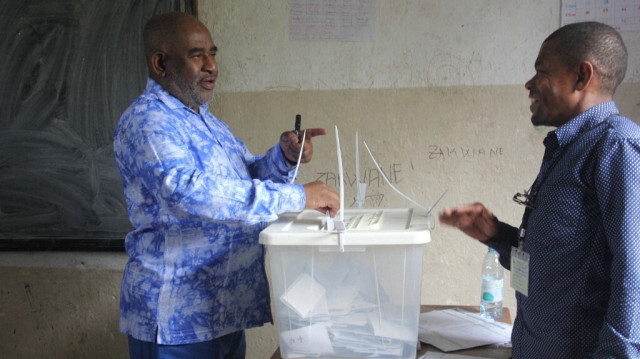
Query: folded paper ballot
{"points": [[455, 329], [303, 295], [308, 340]]}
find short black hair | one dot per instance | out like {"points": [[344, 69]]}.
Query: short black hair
{"points": [[598, 43]]}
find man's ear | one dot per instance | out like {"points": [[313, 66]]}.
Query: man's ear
{"points": [[157, 64], [586, 72]]}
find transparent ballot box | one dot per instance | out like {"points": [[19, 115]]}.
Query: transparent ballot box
{"points": [[351, 293]]}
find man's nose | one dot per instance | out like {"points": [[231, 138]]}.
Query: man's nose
{"points": [[210, 64], [528, 85]]}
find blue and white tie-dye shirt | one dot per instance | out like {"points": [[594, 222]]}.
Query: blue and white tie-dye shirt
{"points": [[197, 199]]}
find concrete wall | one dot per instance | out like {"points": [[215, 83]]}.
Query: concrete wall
{"points": [[438, 95]]}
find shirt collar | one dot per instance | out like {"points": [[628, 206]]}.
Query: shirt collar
{"points": [[581, 123], [168, 99]]}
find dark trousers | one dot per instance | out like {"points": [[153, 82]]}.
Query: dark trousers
{"points": [[230, 346]]}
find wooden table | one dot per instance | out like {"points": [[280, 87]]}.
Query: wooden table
{"points": [[487, 351]]}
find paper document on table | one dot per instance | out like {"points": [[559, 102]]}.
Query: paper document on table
{"points": [[434, 355], [455, 329]]}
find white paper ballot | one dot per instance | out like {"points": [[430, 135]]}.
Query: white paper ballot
{"points": [[313, 339], [455, 329], [384, 328], [304, 295]]}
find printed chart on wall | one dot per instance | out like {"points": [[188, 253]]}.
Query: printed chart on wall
{"points": [[328, 20], [623, 15]]}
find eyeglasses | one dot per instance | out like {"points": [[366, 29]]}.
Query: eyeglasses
{"points": [[526, 199]]}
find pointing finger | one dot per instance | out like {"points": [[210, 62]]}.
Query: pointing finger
{"points": [[313, 132]]}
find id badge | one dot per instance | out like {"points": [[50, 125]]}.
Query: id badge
{"points": [[520, 270]]}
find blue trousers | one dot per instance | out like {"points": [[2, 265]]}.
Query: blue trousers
{"points": [[230, 346]]}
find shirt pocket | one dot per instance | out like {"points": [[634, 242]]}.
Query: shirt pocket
{"points": [[562, 216]]}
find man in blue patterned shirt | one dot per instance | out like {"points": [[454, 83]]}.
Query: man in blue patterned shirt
{"points": [[576, 256], [197, 199]]}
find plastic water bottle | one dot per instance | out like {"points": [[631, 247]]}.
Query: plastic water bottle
{"points": [[492, 286]]}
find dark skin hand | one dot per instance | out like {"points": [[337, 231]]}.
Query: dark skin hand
{"points": [[290, 144], [475, 220], [321, 198]]}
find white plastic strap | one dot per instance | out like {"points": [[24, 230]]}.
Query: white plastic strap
{"points": [[361, 188], [427, 211], [339, 223], [295, 174]]}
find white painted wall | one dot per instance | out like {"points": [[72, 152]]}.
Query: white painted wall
{"points": [[417, 43]]}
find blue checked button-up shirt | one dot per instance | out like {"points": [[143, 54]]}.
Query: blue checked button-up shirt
{"points": [[583, 238], [197, 200]]}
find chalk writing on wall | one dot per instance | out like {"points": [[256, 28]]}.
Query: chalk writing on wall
{"points": [[440, 152], [376, 184], [371, 177]]}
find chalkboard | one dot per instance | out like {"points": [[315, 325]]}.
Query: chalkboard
{"points": [[69, 68]]}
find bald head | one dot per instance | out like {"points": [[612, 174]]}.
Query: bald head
{"points": [[161, 30], [180, 57]]}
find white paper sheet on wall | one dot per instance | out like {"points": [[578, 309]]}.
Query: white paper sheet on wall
{"points": [[623, 15], [328, 20]]}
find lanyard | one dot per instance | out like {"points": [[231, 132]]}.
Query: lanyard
{"points": [[542, 177]]}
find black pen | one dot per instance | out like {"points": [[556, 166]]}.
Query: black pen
{"points": [[297, 125]]}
